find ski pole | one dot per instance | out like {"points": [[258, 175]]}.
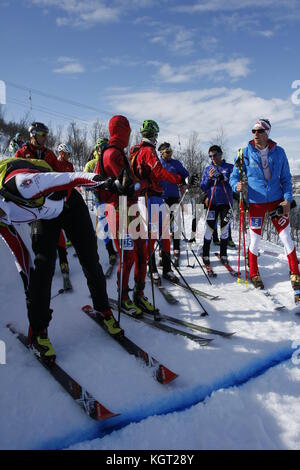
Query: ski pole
{"points": [[183, 278], [156, 312], [208, 209], [241, 223], [123, 214], [158, 241]]}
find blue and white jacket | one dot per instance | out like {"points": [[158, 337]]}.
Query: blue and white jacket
{"points": [[207, 183], [260, 190], [176, 167]]}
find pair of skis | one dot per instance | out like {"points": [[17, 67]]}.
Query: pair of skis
{"points": [[277, 305]]}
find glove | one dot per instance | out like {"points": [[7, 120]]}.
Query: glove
{"points": [[124, 185], [193, 180], [104, 183], [220, 177]]}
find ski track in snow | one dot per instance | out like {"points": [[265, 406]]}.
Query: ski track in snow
{"points": [[36, 413]]}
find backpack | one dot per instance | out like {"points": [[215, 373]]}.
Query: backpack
{"points": [[9, 165]]}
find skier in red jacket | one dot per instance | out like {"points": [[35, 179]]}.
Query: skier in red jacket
{"points": [[36, 147], [113, 162], [147, 167]]}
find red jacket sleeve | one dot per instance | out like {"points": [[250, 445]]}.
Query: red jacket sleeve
{"points": [[158, 172]]}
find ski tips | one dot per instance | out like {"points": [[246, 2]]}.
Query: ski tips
{"points": [[102, 413], [165, 375], [86, 308]]}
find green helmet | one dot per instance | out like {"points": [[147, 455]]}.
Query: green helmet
{"points": [[149, 128], [101, 142]]}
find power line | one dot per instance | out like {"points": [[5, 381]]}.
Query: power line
{"points": [[45, 110], [62, 100]]}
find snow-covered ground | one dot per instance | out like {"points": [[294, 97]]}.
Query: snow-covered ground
{"points": [[239, 410]]}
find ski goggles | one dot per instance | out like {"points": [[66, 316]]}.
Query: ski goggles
{"points": [[41, 134], [214, 155]]}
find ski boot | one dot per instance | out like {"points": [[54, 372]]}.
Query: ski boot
{"points": [[295, 281], [206, 260], [224, 259], [64, 267], [41, 346], [142, 302], [131, 308], [257, 281], [170, 276], [176, 258], [231, 243], [111, 324], [155, 277], [112, 254]]}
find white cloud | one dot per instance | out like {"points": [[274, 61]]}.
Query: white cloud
{"points": [[82, 13], [230, 5], [70, 66], [232, 109], [207, 68], [266, 34]]}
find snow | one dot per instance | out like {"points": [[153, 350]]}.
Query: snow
{"points": [[239, 410]]}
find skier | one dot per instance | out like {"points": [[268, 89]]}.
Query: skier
{"points": [[147, 168], [171, 194], [215, 183], [35, 148], [15, 144], [113, 162], [269, 183], [29, 190], [100, 144], [64, 154]]}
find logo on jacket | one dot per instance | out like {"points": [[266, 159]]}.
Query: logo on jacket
{"points": [[26, 183]]}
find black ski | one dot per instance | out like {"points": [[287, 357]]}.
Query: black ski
{"points": [[167, 295], [194, 326], [67, 283], [82, 397], [149, 320], [196, 291], [161, 372]]}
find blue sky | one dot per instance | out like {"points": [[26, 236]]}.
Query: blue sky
{"points": [[191, 65]]}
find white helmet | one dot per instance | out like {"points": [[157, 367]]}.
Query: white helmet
{"points": [[65, 148]]}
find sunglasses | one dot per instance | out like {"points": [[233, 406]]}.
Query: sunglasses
{"points": [[41, 134], [258, 131]]}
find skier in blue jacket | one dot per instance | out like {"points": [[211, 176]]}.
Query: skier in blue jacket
{"points": [[215, 183], [265, 166], [171, 194]]}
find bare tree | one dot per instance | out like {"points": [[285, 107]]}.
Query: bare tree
{"points": [[220, 139], [98, 130], [81, 149]]}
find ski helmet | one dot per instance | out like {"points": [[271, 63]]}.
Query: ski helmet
{"points": [[101, 142], [36, 127], [149, 128], [65, 147]]}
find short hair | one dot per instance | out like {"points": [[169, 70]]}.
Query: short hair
{"points": [[215, 148]]}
